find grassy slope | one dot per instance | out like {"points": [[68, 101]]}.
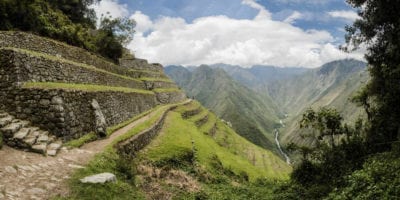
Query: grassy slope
{"points": [[110, 161], [251, 115], [234, 158], [235, 153]]}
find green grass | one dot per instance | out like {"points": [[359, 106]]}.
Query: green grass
{"points": [[190, 106], [141, 127], [161, 90], [110, 161], [82, 87], [146, 71], [199, 116], [82, 140], [176, 142], [157, 79]]}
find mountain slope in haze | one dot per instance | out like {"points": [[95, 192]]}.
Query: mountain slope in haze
{"points": [[286, 91], [259, 77], [253, 116], [296, 89], [331, 85]]}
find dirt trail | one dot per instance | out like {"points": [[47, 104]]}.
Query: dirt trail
{"points": [[25, 175]]}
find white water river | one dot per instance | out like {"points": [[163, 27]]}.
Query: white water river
{"points": [[279, 147]]}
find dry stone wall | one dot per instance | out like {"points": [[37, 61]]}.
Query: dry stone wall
{"points": [[31, 68], [170, 97], [150, 85], [140, 64], [44, 45], [69, 114]]}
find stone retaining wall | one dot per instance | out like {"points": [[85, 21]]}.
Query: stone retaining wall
{"points": [[45, 45], [140, 64], [170, 97], [69, 114], [189, 113], [201, 121], [30, 68], [128, 148], [159, 84]]}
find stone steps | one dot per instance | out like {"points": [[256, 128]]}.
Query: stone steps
{"points": [[20, 134]]}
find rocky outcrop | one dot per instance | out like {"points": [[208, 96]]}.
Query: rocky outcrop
{"points": [[101, 125], [20, 134]]}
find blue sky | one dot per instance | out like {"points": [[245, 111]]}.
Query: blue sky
{"points": [[316, 11], [301, 33]]}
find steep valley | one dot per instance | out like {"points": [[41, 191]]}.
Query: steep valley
{"points": [[285, 94]]}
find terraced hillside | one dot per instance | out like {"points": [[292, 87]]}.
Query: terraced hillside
{"points": [[210, 139], [194, 154], [69, 92]]}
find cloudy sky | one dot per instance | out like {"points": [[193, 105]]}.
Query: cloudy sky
{"points": [[286, 33]]}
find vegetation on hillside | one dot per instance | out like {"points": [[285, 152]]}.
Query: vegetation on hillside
{"points": [[72, 22], [365, 163], [249, 113], [186, 161]]}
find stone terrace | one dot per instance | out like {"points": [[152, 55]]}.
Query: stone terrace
{"points": [[122, 91]]}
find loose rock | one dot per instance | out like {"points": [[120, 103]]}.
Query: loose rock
{"points": [[100, 178]]}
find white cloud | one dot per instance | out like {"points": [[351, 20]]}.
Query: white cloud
{"points": [[110, 8], [143, 22], [348, 15], [219, 39], [293, 17]]}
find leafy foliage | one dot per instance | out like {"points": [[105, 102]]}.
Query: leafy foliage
{"points": [[68, 21], [378, 179], [379, 29]]}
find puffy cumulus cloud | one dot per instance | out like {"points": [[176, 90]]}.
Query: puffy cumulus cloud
{"points": [[219, 39], [110, 8], [347, 15]]}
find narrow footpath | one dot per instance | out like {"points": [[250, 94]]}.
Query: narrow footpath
{"points": [[26, 175]]}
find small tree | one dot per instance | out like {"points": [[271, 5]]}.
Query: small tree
{"points": [[327, 121]]}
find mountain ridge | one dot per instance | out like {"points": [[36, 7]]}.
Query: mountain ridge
{"points": [[288, 90]]}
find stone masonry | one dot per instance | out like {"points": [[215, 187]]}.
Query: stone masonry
{"points": [[69, 113]]}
